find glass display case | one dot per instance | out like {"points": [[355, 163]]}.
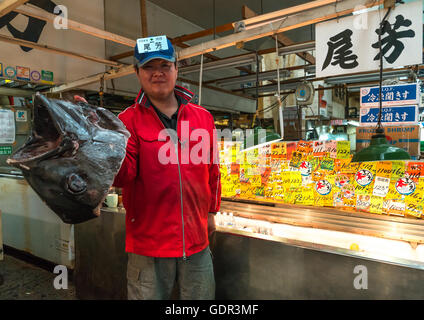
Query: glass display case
{"points": [[310, 193]]}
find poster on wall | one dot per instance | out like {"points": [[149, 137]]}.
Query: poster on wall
{"points": [[24, 63], [22, 73], [351, 45], [10, 72], [7, 126]]}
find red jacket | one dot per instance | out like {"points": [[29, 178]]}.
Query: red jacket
{"points": [[167, 204]]}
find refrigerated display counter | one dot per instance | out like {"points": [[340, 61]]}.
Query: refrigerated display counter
{"points": [[274, 251]]}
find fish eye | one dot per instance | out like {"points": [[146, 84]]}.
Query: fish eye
{"points": [[76, 184]]}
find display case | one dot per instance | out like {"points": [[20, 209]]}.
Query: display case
{"points": [[279, 238], [310, 196]]}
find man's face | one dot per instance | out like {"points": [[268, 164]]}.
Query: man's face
{"points": [[157, 78]]}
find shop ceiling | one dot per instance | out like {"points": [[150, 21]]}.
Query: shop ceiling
{"points": [[218, 16]]}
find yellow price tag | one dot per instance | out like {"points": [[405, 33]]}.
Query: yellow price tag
{"points": [[343, 149], [384, 169]]}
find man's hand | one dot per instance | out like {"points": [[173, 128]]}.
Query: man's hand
{"points": [[211, 224], [211, 230]]}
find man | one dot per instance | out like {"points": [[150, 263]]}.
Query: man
{"points": [[169, 201]]}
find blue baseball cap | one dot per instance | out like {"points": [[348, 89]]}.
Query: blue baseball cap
{"points": [[147, 49]]}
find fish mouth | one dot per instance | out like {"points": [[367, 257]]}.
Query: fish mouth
{"points": [[47, 139]]}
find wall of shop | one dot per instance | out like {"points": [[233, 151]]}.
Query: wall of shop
{"points": [[64, 68]]}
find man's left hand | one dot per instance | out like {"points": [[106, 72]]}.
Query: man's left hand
{"points": [[211, 224]]}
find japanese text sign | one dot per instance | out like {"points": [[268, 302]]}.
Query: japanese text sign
{"points": [[351, 44], [389, 115], [396, 95], [152, 44]]}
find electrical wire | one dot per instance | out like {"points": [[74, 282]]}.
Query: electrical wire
{"points": [[275, 104]]}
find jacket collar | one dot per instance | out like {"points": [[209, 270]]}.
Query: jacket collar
{"points": [[183, 96]]}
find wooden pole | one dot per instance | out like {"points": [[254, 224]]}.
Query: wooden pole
{"points": [[44, 47], [38, 13], [7, 6], [143, 14]]}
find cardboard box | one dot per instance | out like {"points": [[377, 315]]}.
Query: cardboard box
{"points": [[405, 137]]}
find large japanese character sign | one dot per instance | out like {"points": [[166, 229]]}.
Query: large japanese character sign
{"points": [[34, 27], [342, 46]]}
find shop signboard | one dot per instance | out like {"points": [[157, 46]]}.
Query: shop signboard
{"points": [[395, 95], [46, 76], [405, 137], [5, 150], [390, 115], [350, 45]]}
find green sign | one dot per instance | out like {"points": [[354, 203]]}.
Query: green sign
{"points": [[46, 76], [5, 150]]}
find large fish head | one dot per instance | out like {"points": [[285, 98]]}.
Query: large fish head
{"points": [[72, 156]]}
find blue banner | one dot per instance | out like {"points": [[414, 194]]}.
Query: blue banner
{"points": [[401, 94], [389, 116]]}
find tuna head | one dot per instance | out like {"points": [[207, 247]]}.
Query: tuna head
{"points": [[72, 156]]}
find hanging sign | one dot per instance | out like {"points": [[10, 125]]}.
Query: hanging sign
{"points": [[351, 45], [389, 116], [396, 95]]}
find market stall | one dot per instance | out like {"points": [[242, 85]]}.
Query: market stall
{"points": [[298, 220]]}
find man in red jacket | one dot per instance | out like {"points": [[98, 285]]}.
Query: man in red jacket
{"points": [[170, 181]]}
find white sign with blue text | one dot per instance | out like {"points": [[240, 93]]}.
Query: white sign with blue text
{"points": [[389, 115], [395, 95]]}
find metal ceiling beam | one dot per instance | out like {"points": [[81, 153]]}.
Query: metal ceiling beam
{"points": [[15, 92], [264, 18], [179, 41], [316, 15], [203, 33], [32, 11], [294, 21], [7, 6], [240, 60], [282, 39], [265, 74], [297, 47], [361, 77], [109, 75]]}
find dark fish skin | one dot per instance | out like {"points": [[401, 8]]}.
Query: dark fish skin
{"points": [[72, 156]]}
